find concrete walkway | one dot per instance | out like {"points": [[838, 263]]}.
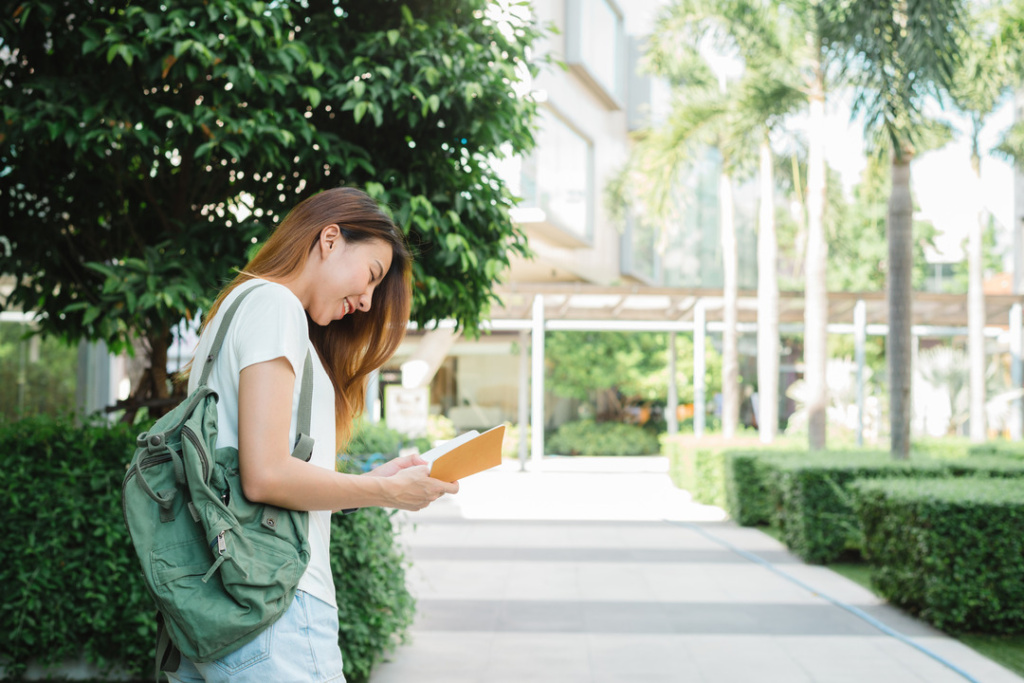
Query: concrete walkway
{"points": [[598, 570]]}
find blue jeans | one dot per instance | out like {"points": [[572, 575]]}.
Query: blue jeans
{"points": [[300, 647]]}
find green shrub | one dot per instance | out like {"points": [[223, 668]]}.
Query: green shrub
{"points": [[1008, 449], [586, 437], [944, 448], [374, 605], [995, 466], [949, 550], [746, 476], [74, 584], [812, 506], [73, 580], [680, 467], [373, 443], [747, 495], [697, 465], [709, 477]]}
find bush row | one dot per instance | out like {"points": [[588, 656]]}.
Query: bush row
{"points": [[587, 437], [950, 551], [943, 529], [74, 584], [808, 498]]}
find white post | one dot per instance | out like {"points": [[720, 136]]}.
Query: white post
{"points": [[671, 415], [699, 365], [373, 410], [537, 382], [860, 329], [1016, 370], [524, 398]]}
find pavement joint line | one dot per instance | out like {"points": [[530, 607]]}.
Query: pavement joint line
{"points": [[838, 603]]}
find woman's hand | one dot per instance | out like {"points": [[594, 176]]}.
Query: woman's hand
{"points": [[395, 465], [412, 487]]}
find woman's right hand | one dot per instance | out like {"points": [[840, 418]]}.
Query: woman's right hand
{"points": [[412, 488]]}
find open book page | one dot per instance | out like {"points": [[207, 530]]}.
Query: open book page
{"points": [[439, 450], [466, 454]]}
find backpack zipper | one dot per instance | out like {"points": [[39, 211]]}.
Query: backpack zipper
{"points": [[203, 457], [146, 463]]}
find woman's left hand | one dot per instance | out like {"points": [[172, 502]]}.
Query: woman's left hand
{"points": [[396, 465]]}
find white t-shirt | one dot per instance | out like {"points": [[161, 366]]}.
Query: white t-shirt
{"points": [[271, 323]]}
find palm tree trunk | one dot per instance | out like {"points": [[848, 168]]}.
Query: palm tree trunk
{"points": [[767, 304], [815, 287], [898, 346], [730, 287], [976, 308]]}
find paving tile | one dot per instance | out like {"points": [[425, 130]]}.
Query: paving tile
{"points": [[533, 577]]}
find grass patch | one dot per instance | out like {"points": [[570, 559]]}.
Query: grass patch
{"points": [[858, 572], [1007, 650]]}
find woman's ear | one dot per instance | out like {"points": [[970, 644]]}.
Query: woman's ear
{"points": [[330, 239]]}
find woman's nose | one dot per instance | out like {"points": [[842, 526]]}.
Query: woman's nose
{"points": [[364, 301]]}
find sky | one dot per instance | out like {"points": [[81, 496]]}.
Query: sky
{"points": [[939, 179]]}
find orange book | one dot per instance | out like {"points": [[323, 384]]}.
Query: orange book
{"points": [[466, 454]]}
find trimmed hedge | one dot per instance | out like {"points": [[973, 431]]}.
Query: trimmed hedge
{"points": [[748, 494], [586, 437], [698, 465], [811, 503], [72, 578], [74, 586], [805, 495], [949, 550], [1008, 449]]}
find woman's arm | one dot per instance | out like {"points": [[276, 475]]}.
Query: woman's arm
{"points": [[271, 475]]}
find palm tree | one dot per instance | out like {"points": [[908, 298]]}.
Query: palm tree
{"points": [[733, 116], [903, 51], [982, 79]]}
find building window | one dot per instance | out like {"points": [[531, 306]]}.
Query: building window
{"points": [[639, 251], [556, 182], [594, 46]]}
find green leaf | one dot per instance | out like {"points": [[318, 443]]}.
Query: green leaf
{"points": [[360, 111], [393, 36], [91, 315], [312, 95], [435, 103]]}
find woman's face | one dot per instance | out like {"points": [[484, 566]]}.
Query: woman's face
{"points": [[348, 274]]}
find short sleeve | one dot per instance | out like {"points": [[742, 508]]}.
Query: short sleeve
{"points": [[270, 323]]}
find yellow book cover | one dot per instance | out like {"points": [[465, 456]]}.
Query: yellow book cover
{"points": [[466, 454]]}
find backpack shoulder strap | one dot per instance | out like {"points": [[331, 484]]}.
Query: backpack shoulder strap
{"points": [[222, 332], [304, 442]]}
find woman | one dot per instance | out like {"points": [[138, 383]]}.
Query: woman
{"points": [[339, 275]]}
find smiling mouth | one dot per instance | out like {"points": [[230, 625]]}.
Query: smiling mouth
{"points": [[347, 308]]}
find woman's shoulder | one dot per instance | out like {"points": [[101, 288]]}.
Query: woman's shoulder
{"points": [[267, 296]]}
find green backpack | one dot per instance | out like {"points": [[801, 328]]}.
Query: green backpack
{"points": [[220, 568]]}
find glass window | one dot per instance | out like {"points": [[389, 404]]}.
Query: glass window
{"points": [[594, 42], [557, 177]]}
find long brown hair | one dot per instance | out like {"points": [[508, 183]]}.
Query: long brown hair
{"points": [[356, 345]]}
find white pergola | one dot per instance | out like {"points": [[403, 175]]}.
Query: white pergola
{"points": [[532, 309]]}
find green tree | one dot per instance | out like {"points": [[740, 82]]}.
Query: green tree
{"points": [[599, 367], [980, 82], [145, 146], [902, 53], [734, 114], [857, 240]]}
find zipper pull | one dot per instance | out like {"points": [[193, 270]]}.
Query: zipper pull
{"points": [[222, 546]]}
